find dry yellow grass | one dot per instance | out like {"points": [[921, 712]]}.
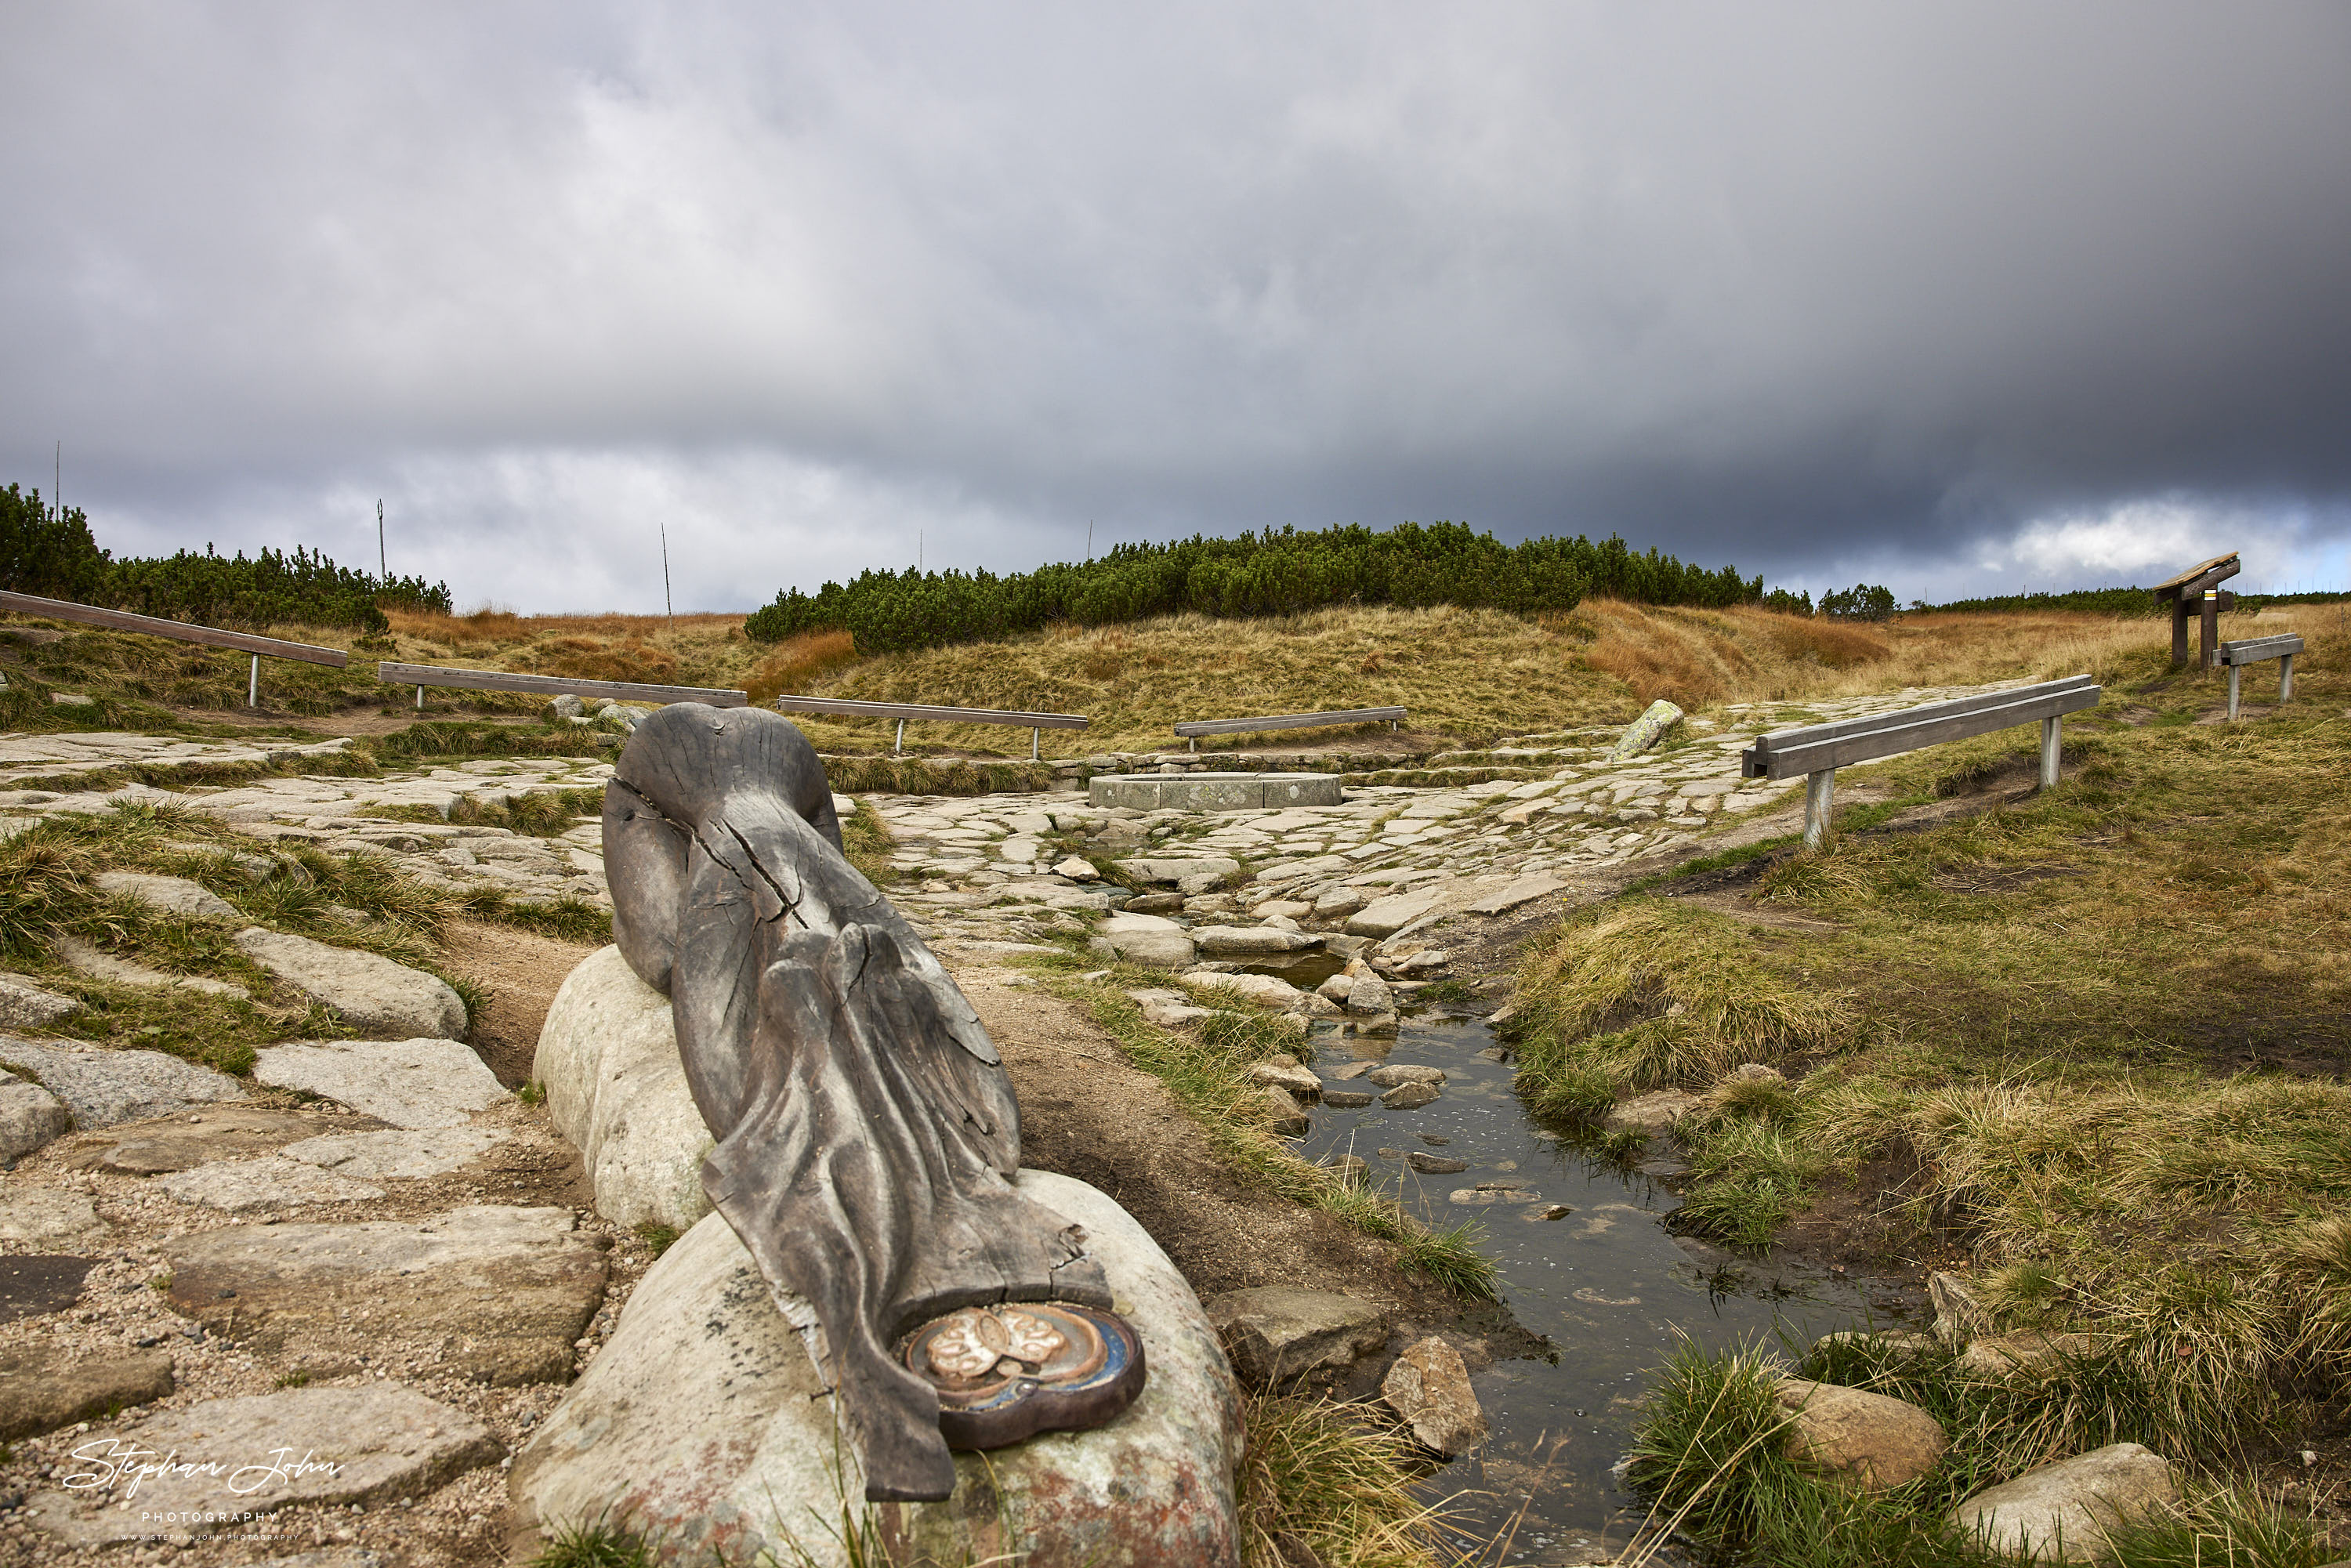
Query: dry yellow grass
{"points": [[1467, 676]]}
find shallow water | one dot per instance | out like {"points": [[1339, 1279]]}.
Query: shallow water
{"points": [[1607, 1285]]}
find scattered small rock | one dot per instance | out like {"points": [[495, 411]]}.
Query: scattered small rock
{"points": [[2026, 1353], [1392, 1073], [1345, 1099], [1284, 1072], [1958, 1316], [1409, 1096], [1281, 1116], [1428, 1388], [1653, 1113], [1435, 1165]]}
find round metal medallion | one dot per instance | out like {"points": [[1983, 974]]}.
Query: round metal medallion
{"points": [[1017, 1368]]}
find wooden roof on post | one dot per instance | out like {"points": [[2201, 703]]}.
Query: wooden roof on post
{"points": [[2218, 567]]}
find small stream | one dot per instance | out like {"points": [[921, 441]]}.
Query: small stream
{"points": [[1607, 1284]]}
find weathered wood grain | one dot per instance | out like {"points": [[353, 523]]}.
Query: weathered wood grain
{"points": [[1192, 726], [866, 1130], [2255, 650], [844, 707], [1812, 749], [553, 685], [177, 631]]}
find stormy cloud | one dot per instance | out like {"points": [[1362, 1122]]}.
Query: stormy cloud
{"points": [[1955, 299]]}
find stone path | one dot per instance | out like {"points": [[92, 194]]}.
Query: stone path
{"points": [[406, 1267], [1379, 878]]}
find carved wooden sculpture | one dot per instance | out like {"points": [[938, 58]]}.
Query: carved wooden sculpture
{"points": [[867, 1133]]}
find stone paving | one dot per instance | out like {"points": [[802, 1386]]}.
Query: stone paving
{"points": [[446, 1299]]}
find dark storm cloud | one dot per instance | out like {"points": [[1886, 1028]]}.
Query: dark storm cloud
{"points": [[1953, 297]]}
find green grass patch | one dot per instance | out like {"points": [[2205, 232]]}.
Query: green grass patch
{"points": [[1321, 1476], [1206, 1075]]}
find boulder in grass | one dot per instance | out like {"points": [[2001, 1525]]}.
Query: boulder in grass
{"points": [[23, 1005], [1646, 731], [1871, 1441], [2064, 1510], [172, 894]]}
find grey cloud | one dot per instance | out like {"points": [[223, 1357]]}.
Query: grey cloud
{"points": [[1814, 289]]}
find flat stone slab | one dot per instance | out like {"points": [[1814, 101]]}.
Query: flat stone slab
{"points": [[192, 1138], [1278, 1335], [101, 1087], [1387, 916], [489, 1293], [1212, 791], [36, 1283], [1525, 890], [87, 958], [703, 1420], [387, 1000], [1175, 869], [174, 894], [406, 1082], [263, 1182], [238, 1458], [616, 1089], [400, 1155], [30, 1118], [40, 1392], [23, 1005], [47, 1217]]}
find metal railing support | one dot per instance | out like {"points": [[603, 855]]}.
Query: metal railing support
{"points": [[2285, 678], [2232, 692], [899, 749], [1819, 790], [2053, 747], [253, 684]]}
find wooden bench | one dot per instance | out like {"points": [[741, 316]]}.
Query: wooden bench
{"points": [[180, 631], [423, 675], [2198, 587], [1192, 728], [2252, 651], [1036, 724], [1818, 750]]}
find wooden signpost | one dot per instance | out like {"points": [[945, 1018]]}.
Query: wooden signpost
{"points": [[2199, 588]]}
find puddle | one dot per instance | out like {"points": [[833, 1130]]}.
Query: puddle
{"points": [[1606, 1284]]}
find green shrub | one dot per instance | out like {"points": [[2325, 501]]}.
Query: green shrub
{"points": [[1268, 573]]}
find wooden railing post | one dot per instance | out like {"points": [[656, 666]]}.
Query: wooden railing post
{"points": [[1819, 788], [2208, 633]]}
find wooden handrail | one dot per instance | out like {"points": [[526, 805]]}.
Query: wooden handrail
{"points": [[1199, 727], [848, 707], [422, 675], [177, 631]]}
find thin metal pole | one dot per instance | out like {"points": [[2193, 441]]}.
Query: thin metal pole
{"points": [[420, 699], [1818, 789], [253, 684], [2053, 747], [382, 572], [2285, 678], [1034, 734], [2233, 672], [667, 602], [899, 749]]}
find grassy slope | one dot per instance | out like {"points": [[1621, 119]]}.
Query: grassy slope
{"points": [[2104, 1028]]}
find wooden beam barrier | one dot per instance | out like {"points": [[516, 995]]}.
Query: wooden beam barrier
{"points": [[1192, 728], [423, 675], [1036, 724], [180, 631], [2236, 655], [1818, 750], [2199, 588]]}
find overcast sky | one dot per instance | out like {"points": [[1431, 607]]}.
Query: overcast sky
{"points": [[1957, 298]]}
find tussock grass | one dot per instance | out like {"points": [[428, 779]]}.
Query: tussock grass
{"points": [[1644, 995], [1707, 1455], [865, 843], [1206, 1075], [1312, 1474]]}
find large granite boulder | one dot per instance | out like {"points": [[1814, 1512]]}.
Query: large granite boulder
{"points": [[704, 1422], [2062, 1510], [1871, 1441], [616, 1088]]}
